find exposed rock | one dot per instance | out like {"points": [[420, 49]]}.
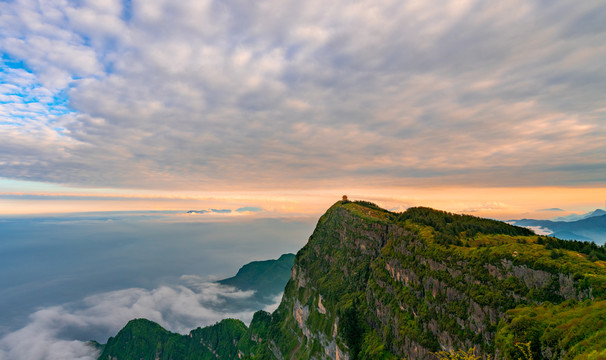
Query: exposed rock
{"points": [[321, 308]]}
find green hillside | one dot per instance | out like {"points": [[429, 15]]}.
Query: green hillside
{"points": [[146, 340], [372, 284]]}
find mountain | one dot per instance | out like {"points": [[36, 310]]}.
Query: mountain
{"points": [[575, 217], [591, 228], [267, 277], [144, 339], [372, 284]]}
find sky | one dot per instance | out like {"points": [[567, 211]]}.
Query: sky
{"points": [[483, 107]]}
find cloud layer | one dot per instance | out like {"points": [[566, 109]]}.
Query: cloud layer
{"points": [[60, 332], [265, 94]]}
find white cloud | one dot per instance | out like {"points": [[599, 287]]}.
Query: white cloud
{"points": [[59, 332], [211, 93], [274, 306], [487, 206], [539, 230]]}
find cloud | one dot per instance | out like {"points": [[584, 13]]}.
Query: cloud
{"points": [[198, 211], [249, 209], [60, 332], [225, 211], [539, 230], [400, 208], [219, 94], [270, 308], [221, 211], [487, 206], [551, 209], [84, 197]]}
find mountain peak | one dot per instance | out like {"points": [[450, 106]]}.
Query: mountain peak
{"points": [[576, 217], [374, 284]]}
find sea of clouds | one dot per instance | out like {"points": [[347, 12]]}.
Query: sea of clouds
{"points": [[61, 332], [67, 280]]}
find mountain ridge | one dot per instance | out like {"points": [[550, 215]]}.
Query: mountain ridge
{"points": [[575, 217], [592, 228], [266, 277], [372, 284]]}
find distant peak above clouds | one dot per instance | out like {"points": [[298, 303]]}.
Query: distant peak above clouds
{"points": [[575, 217]]}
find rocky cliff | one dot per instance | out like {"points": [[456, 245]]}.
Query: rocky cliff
{"points": [[371, 284]]}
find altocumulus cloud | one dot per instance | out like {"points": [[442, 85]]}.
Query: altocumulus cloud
{"points": [[50, 333], [277, 93]]}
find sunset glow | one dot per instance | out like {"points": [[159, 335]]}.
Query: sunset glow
{"points": [[495, 109], [499, 203]]}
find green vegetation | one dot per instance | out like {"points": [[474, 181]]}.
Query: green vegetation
{"points": [[595, 252], [144, 339], [352, 329], [252, 345], [570, 330], [381, 285], [397, 281], [450, 228], [457, 355], [524, 348]]}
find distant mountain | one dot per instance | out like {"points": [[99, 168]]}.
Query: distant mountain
{"points": [[591, 228], [144, 339], [567, 235], [267, 278], [264, 280], [576, 217]]}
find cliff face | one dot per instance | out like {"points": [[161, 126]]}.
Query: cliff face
{"points": [[371, 284], [374, 284]]}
